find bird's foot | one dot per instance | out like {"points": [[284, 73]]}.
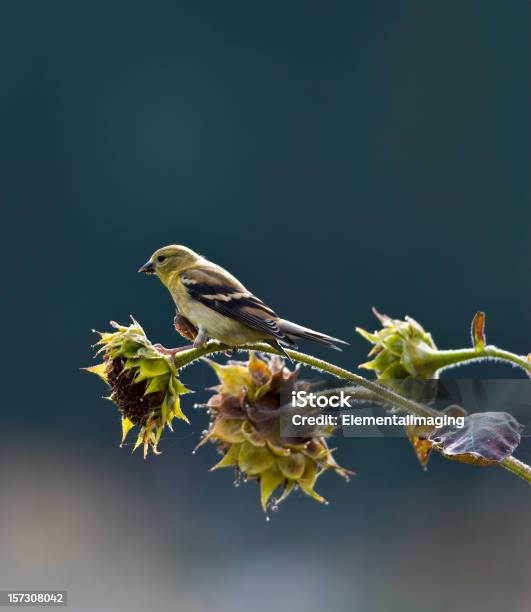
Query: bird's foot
{"points": [[201, 338], [173, 351]]}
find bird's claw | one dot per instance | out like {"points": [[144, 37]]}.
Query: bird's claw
{"points": [[171, 352]]}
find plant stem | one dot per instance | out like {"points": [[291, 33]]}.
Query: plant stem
{"points": [[387, 396], [449, 358], [517, 467], [381, 393]]}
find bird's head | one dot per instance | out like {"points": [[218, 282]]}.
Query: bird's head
{"points": [[169, 259]]}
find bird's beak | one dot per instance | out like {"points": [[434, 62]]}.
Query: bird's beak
{"points": [[147, 268]]}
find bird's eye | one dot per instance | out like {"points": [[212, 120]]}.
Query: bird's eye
{"points": [[161, 258]]}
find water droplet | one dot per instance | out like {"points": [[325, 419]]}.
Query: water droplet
{"points": [[327, 503], [267, 518], [194, 452]]}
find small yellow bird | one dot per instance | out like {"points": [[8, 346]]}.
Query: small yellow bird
{"points": [[219, 306]]}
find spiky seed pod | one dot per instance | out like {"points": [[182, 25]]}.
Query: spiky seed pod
{"points": [[128, 395], [401, 349], [144, 383], [245, 426]]}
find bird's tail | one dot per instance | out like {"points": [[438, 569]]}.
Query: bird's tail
{"points": [[294, 332]]}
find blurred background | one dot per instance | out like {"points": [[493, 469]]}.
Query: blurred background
{"points": [[334, 156]]}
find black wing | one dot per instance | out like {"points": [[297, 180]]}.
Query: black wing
{"points": [[211, 289]]}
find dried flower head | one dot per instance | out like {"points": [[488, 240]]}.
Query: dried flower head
{"points": [[144, 383], [245, 426]]}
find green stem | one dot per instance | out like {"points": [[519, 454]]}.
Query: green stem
{"points": [[517, 467], [382, 394], [447, 359]]}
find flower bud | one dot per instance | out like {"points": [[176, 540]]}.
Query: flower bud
{"points": [[401, 349]]}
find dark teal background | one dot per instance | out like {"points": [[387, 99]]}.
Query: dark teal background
{"points": [[332, 155]]}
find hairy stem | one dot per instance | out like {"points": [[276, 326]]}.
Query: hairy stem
{"points": [[380, 393], [517, 467], [450, 358], [383, 394]]}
